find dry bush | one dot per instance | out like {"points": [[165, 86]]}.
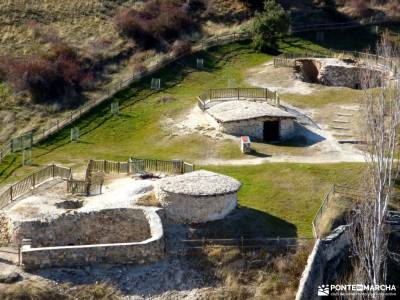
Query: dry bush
{"points": [[32, 290], [48, 78], [156, 23], [273, 276], [148, 199], [98, 291], [334, 215], [181, 47], [42, 290]]}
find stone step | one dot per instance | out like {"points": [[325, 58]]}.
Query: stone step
{"points": [[352, 142], [9, 255], [350, 109], [341, 121], [338, 128], [343, 135]]}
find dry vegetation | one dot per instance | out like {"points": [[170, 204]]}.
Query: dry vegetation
{"points": [[107, 40], [43, 290], [370, 8], [255, 275]]}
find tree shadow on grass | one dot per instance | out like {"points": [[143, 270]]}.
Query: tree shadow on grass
{"points": [[247, 223]]}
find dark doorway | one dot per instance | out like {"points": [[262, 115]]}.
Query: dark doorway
{"points": [[271, 130]]}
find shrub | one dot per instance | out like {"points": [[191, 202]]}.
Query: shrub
{"points": [[157, 23], [49, 78], [181, 47], [269, 26], [360, 6], [97, 291], [27, 290]]}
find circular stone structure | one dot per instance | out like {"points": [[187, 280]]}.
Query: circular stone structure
{"points": [[340, 72], [197, 197]]}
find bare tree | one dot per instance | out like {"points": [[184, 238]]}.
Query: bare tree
{"points": [[381, 118]]}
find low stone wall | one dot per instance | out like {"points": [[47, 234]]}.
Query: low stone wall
{"points": [[146, 251], [342, 73], [71, 256], [105, 226], [321, 263], [5, 233], [255, 128], [185, 209]]}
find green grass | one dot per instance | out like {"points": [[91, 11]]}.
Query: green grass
{"points": [[328, 95], [288, 194], [137, 130]]}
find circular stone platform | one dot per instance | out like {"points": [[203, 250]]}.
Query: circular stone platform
{"points": [[197, 197]]}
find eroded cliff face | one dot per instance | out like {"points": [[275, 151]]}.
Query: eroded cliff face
{"points": [[341, 73]]}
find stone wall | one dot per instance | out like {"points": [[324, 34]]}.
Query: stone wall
{"points": [[255, 128], [85, 228], [71, 256], [335, 72], [5, 232], [186, 209], [322, 262], [287, 128], [146, 251]]}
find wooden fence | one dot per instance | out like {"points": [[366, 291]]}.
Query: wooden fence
{"points": [[28, 183], [78, 187], [230, 94], [289, 60], [299, 28], [133, 165], [108, 167], [43, 133], [137, 165], [335, 189], [246, 244], [284, 62]]}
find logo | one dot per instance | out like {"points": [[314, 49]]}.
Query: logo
{"points": [[323, 290], [356, 290]]}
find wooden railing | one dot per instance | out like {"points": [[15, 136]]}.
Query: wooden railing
{"points": [[284, 62], [204, 44], [43, 133], [137, 165], [335, 189], [34, 180], [289, 60], [245, 244], [230, 94], [108, 167], [78, 187]]}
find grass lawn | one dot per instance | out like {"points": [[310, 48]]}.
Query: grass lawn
{"points": [[328, 95], [137, 131], [289, 195]]}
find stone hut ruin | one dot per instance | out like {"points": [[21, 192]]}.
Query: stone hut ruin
{"points": [[54, 227], [335, 72], [197, 197], [257, 119]]}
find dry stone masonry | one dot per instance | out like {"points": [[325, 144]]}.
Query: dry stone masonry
{"points": [[197, 197], [57, 229], [343, 73], [257, 119]]}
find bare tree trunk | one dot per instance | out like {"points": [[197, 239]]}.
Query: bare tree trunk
{"points": [[381, 108]]}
